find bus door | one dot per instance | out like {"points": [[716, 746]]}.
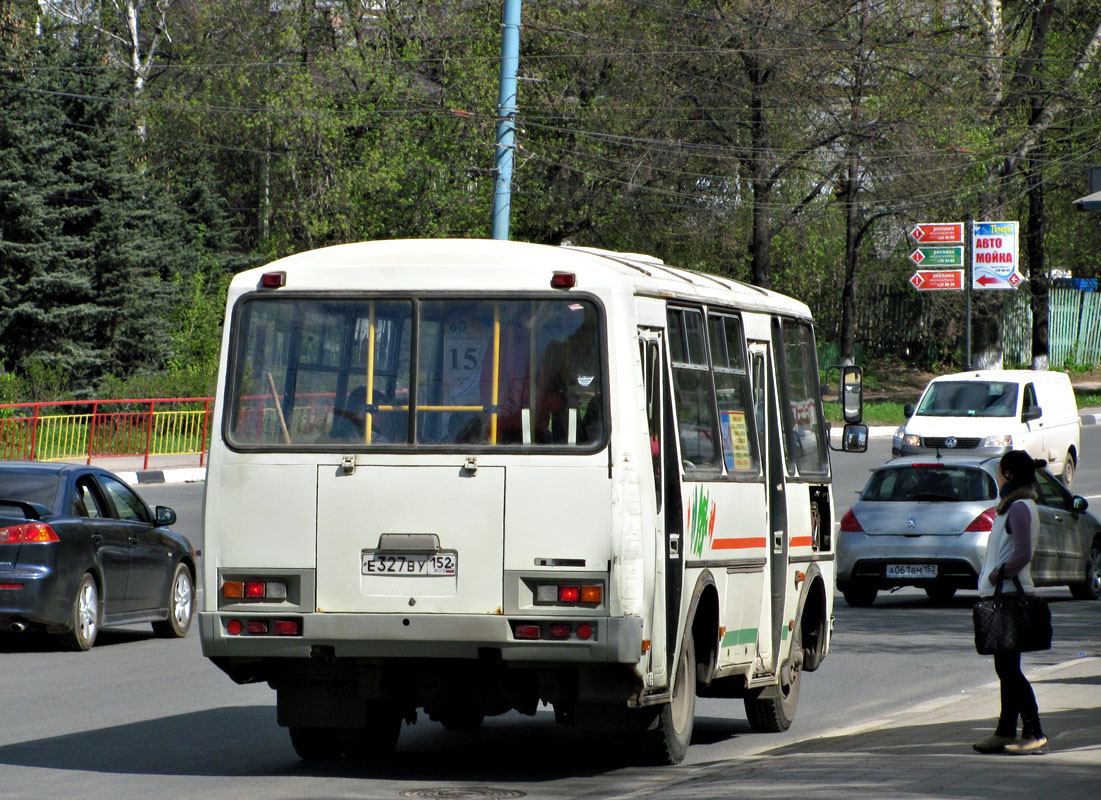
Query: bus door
{"points": [[772, 459], [667, 506]]}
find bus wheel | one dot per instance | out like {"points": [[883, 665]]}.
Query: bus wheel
{"points": [[668, 738], [315, 744], [375, 740], [775, 714]]}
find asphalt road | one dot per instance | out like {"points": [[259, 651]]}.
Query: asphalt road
{"points": [[143, 717]]}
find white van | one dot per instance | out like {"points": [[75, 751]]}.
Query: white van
{"points": [[992, 411]]}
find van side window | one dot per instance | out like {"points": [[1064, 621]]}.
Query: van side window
{"points": [[1029, 400]]}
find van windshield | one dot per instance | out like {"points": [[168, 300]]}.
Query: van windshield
{"points": [[969, 399], [323, 372]]}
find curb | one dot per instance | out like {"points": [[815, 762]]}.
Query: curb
{"points": [[187, 475]]}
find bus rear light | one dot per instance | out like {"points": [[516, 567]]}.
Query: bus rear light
{"points": [[563, 280], [569, 594], [273, 280], [11, 586], [585, 631], [286, 627], [234, 627], [31, 533], [526, 632], [592, 594], [254, 590], [256, 626], [559, 632]]}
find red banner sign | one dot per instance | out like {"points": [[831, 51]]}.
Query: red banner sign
{"points": [[938, 280], [938, 233]]}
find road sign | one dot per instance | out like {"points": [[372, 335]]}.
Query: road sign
{"points": [[926, 280], [994, 263], [938, 233], [938, 256]]}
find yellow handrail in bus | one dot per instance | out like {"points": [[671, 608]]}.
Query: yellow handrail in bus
{"points": [[370, 369], [496, 370]]}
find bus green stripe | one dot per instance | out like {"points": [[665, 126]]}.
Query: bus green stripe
{"points": [[743, 636]]}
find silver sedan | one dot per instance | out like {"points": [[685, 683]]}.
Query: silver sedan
{"points": [[924, 521]]}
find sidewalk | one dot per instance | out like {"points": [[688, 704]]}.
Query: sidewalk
{"points": [[926, 752]]}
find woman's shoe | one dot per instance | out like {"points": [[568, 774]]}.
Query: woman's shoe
{"points": [[996, 744], [1028, 746]]}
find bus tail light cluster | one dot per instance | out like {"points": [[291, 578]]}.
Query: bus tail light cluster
{"points": [[554, 631], [254, 590], [31, 533], [264, 627], [572, 594]]}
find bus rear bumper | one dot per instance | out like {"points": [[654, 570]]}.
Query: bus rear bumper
{"points": [[384, 636]]}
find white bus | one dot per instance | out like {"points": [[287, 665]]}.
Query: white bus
{"points": [[468, 477]]}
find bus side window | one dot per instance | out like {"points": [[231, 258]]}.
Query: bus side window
{"points": [[651, 381], [692, 391]]}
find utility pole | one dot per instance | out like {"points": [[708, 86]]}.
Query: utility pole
{"points": [[506, 118]]}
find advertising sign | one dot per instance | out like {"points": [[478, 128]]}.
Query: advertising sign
{"points": [[938, 233], [938, 256], [994, 259], [938, 280]]}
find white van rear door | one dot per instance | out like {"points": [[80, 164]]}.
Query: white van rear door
{"points": [[415, 539]]}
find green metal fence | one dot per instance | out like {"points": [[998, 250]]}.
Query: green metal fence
{"points": [[1074, 328]]}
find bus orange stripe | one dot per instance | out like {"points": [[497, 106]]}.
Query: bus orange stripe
{"points": [[801, 541], [738, 544]]}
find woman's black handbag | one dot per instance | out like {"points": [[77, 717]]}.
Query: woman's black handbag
{"points": [[1018, 622]]}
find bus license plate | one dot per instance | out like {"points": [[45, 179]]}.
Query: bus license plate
{"points": [[411, 564], [911, 570]]}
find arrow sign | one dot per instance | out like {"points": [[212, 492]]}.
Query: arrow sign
{"points": [[938, 280], [938, 233], [938, 256]]}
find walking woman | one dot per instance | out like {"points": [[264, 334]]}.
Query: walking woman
{"points": [[1008, 555]]}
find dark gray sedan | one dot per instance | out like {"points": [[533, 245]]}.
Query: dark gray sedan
{"points": [[79, 550], [924, 522]]}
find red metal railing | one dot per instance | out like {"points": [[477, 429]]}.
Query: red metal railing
{"points": [[65, 430]]}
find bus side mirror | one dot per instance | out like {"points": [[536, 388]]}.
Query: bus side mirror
{"points": [[854, 439], [852, 394]]}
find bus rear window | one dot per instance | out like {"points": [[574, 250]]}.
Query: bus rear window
{"points": [[388, 373]]}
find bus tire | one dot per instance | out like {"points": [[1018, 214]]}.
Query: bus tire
{"points": [[375, 740], [462, 719], [315, 744], [774, 714], [666, 742]]}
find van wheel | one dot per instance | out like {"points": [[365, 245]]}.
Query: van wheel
{"points": [[1090, 588], [1067, 475], [668, 738], [775, 714]]}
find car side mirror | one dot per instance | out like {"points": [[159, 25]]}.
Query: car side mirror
{"points": [[1031, 413], [165, 515], [908, 410], [1080, 503]]}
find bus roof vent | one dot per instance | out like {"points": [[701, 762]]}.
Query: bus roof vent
{"points": [[642, 258]]}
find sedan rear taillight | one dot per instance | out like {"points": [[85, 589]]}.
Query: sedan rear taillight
{"points": [[31, 533], [984, 523], [849, 523]]}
